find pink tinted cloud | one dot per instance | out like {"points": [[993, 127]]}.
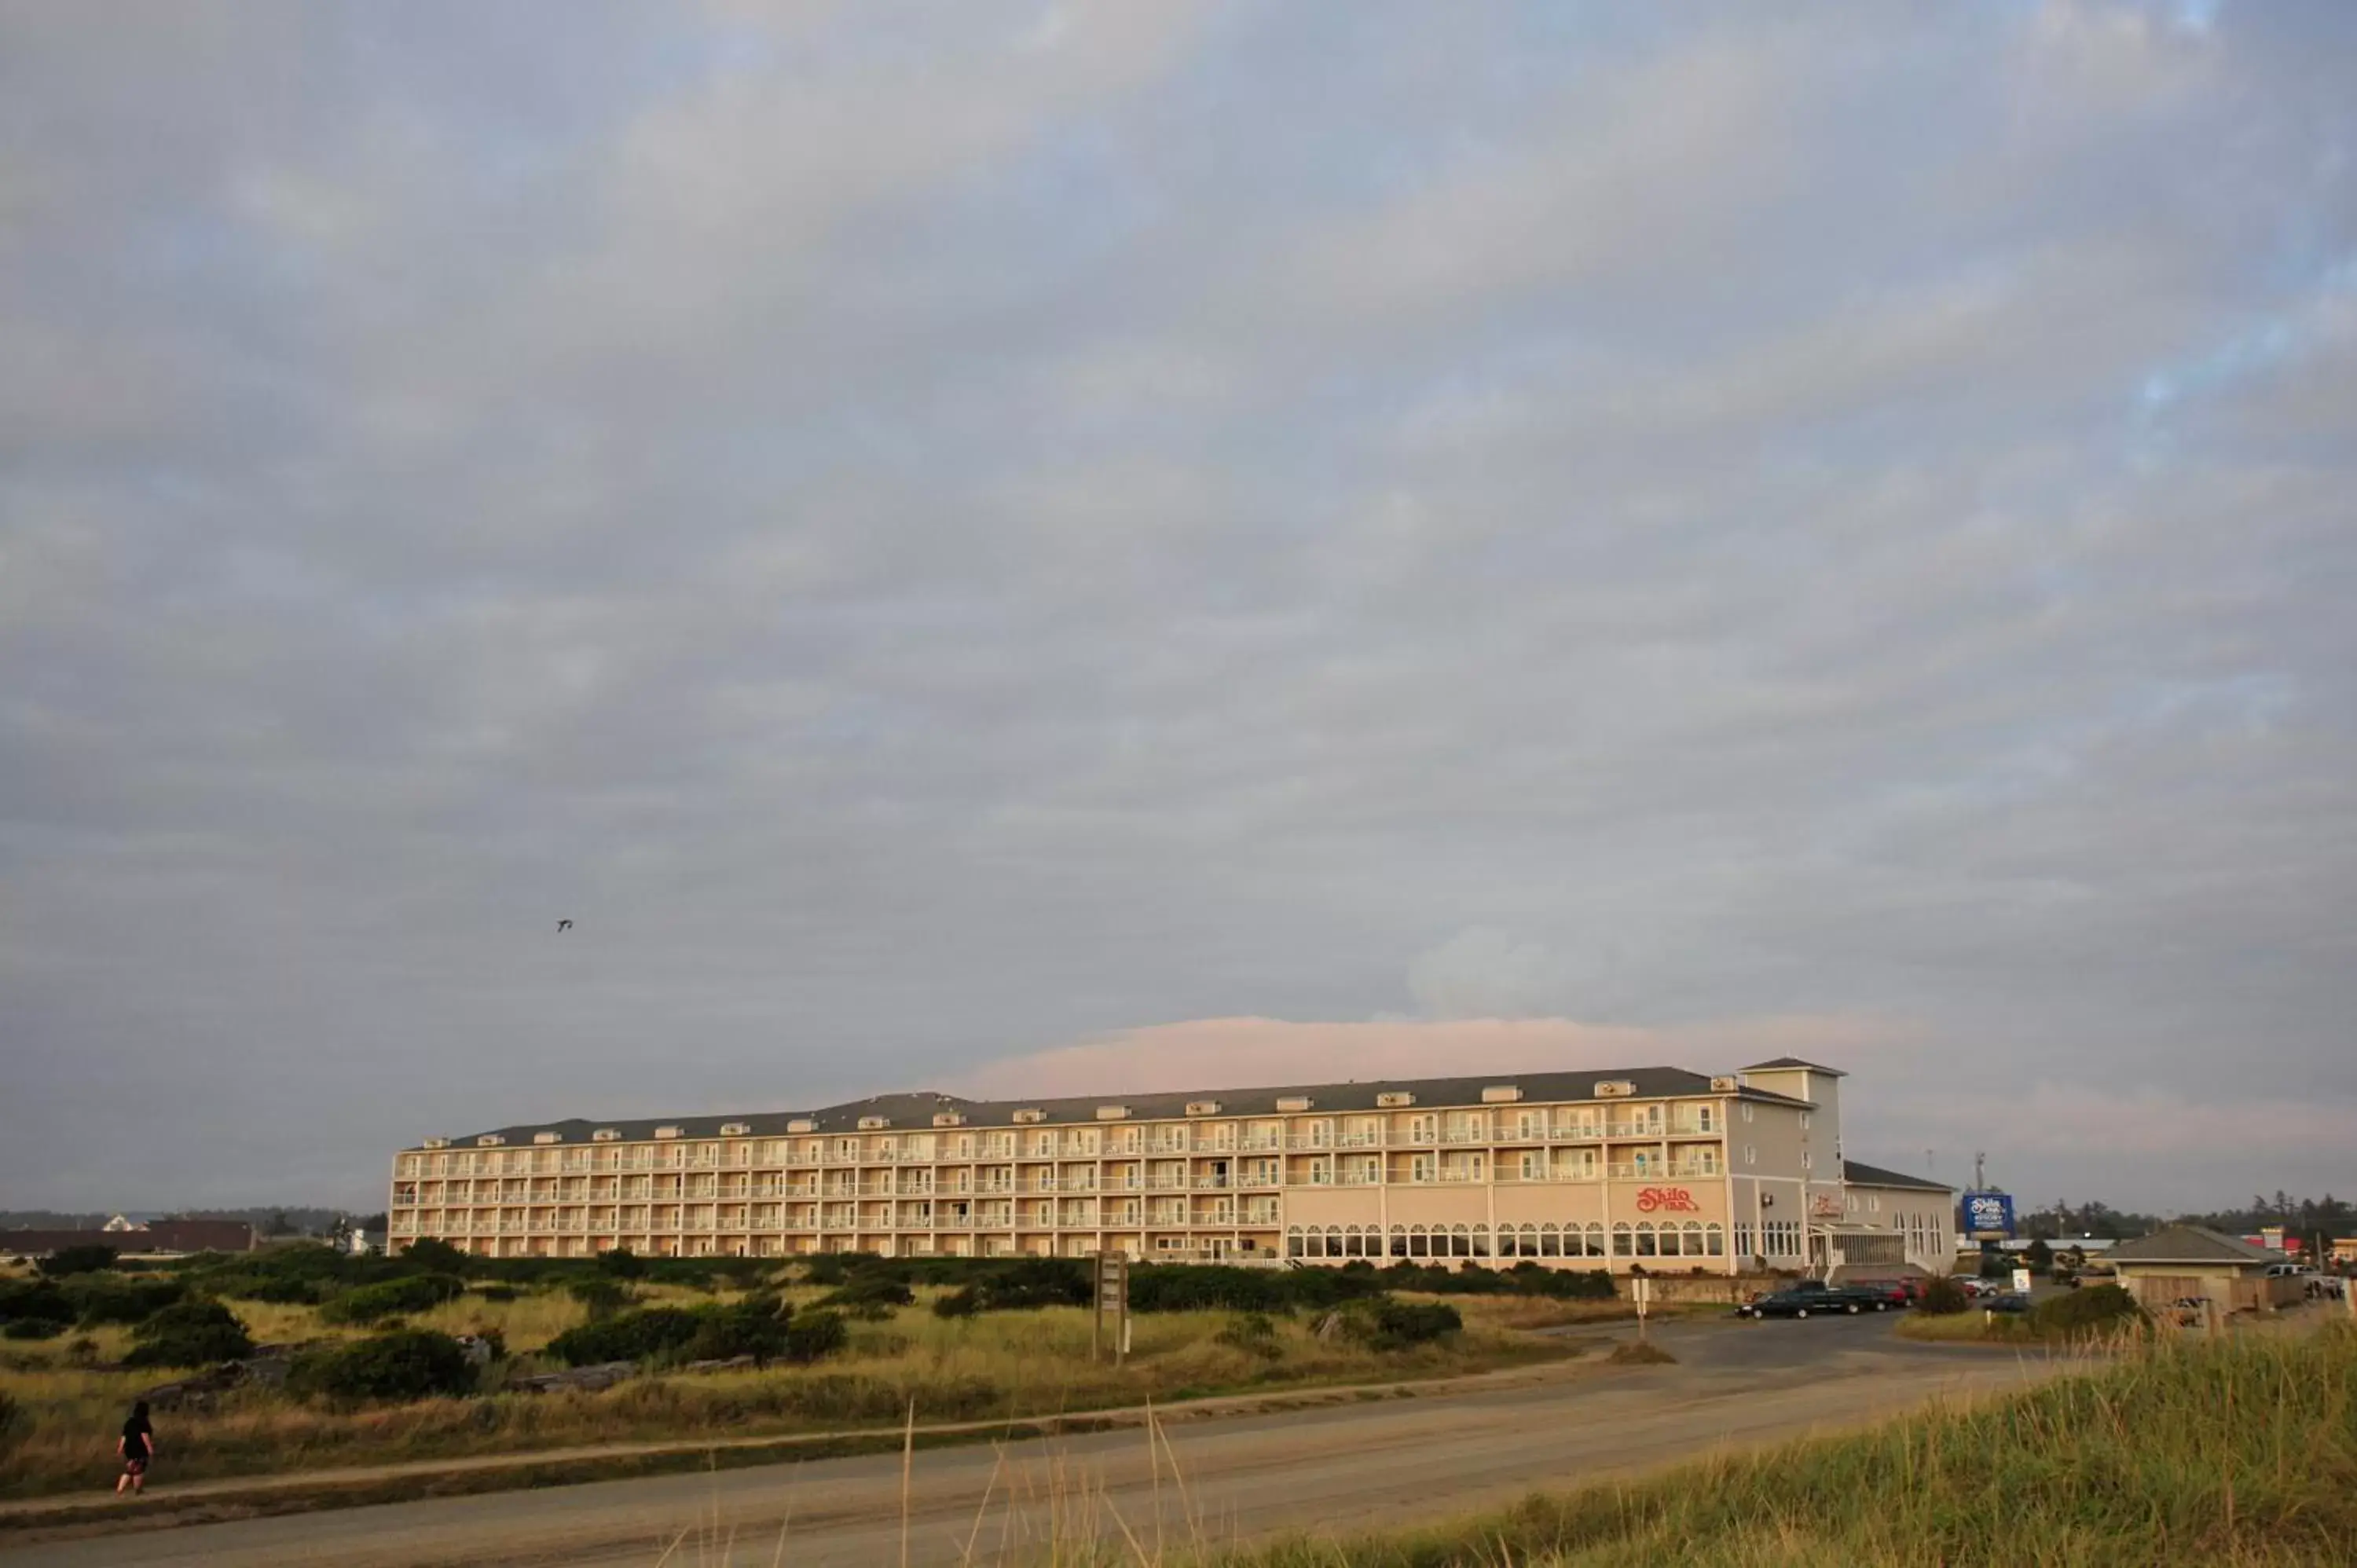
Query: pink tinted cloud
{"points": [[1209, 1053]]}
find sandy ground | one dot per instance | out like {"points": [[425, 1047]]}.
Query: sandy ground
{"points": [[1341, 1468]]}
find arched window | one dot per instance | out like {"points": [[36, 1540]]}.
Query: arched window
{"points": [[1481, 1240], [1460, 1242], [1399, 1240], [1647, 1243], [1621, 1245], [1549, 1241], [1419, 1245], [1293, 1242], [1693, 1228], [1333, 1240], [1716, 1237], [1596, 1239]]}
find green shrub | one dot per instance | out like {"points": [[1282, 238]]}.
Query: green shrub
{"points": [[869, 1295], [2093, 1310], [31, 1328], [406, 1364], [1383, 1324], [13, 1420], [392, 1298], [621, 1263], [813, 1336], [496, 1291], [827, 1268], [1254, 1332], [1200, 1287], [35, 1300], [602, 1295], [755, 1327], [433, 1255], [1942, 1297], [112, 1298], [964, 1302], [194, 1333], [70, 1260], [637, 1335]]}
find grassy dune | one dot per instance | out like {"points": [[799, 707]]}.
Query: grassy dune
{"points": [[2238, 1452], [997, 1365]]}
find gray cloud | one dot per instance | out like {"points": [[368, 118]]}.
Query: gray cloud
{"points": [[936, 535]]}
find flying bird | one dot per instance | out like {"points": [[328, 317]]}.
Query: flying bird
{"points": [[563, 925]]}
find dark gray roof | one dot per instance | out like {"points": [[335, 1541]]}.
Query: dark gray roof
{"points": [[1795, 1061], [2190, 1244], [1875, 1175], [907, 1111]]}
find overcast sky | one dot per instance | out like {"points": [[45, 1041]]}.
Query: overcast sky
{"points": [[1154, 545]]}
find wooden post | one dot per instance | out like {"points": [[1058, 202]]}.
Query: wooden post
{"points": [[1110, 1295]]}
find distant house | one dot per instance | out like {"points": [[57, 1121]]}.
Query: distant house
{"points": [[156, 1238], [2191, 1261]]}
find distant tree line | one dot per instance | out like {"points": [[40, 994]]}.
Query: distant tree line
{"points": [[2303, 1217]]}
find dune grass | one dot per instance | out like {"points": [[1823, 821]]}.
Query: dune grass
{"points": [[2240, 1452], [997, 1365]]}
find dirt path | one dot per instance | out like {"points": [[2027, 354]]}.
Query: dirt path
{"points": [[1334, 1468]]}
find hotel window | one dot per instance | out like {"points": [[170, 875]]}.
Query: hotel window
{"points": [[1622, 1246]]}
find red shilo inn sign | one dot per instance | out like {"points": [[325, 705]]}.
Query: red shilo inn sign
{"points": [[1654, 1199]]}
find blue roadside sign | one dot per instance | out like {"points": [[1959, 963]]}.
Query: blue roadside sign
{"points": [[1988, 1215]]}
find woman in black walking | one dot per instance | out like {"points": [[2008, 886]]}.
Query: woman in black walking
{"points": [[136, 1445]]}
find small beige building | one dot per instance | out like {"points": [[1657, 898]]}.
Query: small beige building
{"points": [[2192, 1261]]}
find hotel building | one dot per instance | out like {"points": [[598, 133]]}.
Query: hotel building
{"points": [[1653, 1166]]}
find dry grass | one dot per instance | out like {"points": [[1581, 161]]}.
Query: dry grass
{"points": [[2240, 1452]]}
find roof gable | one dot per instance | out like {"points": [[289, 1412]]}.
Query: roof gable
{"points": [[2190, 1244], [1858, 1173]]}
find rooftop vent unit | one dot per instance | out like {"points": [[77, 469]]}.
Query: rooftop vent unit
{"points": [[490, 1141], [666, 1131], [1030, 1114], [1395, 1100], [949, 1118], [437, 1143], [606, 1135], [802, 1124], [1112, 1112], [874, 1123], [1500, 1094], [1725, 1085], [548, 1137], [1294, 1103], [734, 1129], [1202, 1107], [1614, 1089]]}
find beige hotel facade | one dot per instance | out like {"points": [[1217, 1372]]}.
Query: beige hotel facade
{"points": [[1654, 1167]]}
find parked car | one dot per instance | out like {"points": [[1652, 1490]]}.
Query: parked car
{"points": [[1805, 1296], [2005, 1301], [1889, 1295]]}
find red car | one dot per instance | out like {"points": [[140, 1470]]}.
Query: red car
{"points": [[1889, 1293]]}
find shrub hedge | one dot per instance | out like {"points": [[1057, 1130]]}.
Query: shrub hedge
{"points": [[392, 1298], [401, 1365], [194, 1333]]}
